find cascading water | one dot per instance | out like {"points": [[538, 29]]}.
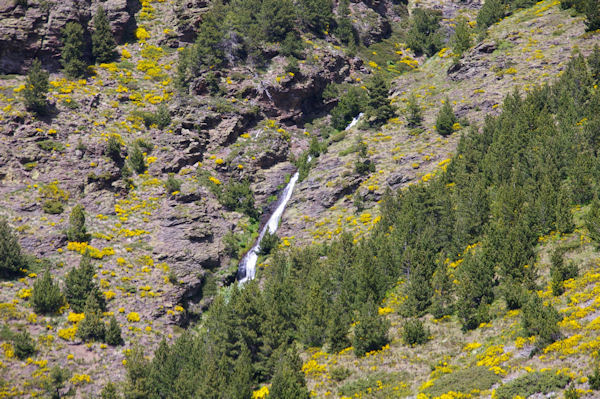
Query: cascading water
{"points": [[247, 266]]}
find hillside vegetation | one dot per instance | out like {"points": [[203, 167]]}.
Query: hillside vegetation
{"points": [[445, 246]]}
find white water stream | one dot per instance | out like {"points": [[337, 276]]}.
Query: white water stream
{"points": [[247, 266]]}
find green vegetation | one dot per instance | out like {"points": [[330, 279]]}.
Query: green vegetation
{"points": [[11, 258], [136, 159], [161, 118], [463, 380], [53, 207], [530, 383], [77, 230], [414, 332], [72, 52], [36, 89], [378, 109], [103, 42], [46, 295], [414, 113], [424, 36], [269, 243], [349, 105], [446, 119], [540, 320], [113, 148], [491, 12], [23, 344], [172, 184], [113, 333], [237, 196], [371, 332], [80, 285], [461, 41], [91, 328]]}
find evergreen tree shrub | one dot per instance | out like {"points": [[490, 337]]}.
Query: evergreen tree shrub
{"points": [[23, 344], [11, 258], [36, 89], [77, 231], [414, 113], [103, 41], [113, 148], [136, 159], [371, 332], [113, 333], [79, 284], [446, 119], [91, 328], [423, 35], [46, 295], [592, 221], [378, 109], [491, 12], [414, 332], [72, 51], [288, 381], [462, 37], [540, 320]]}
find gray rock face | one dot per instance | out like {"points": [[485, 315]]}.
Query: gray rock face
{"points": [[33, 29]]}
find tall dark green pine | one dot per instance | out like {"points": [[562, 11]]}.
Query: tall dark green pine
{"points": [[113, 333], [424, 33], [79, 284], [77, 231], [490, 13], [379, 109], [46, 296], [441, 303], [91, 328], [72, 51], [288, 381], [592, 220], [316, 14], [414, 113], [240, 383], [277, 19], [462, 37], [446, 119], [103, 41], [338, 326], [36, 89], [11, 259], [591, 9], [314, 317], [475, 290], [540, 320], [371, 330], [564, 218]]}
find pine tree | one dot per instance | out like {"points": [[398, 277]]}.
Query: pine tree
{"points": [[446, 119], [91, 327], [11, 259], [109, 391], [103, 41], [475, 276], [113, 333], [316, 14], [371, 331], [490, 13], [240, 384], [424, 35], [379, 109], [72, 51], [23, 344], [462, 37], [77, 230], [314, 321], [592, 220], [338, 325], [136, 160], [414, 113], [540, 320], [46, 296], [79, 284], [288, 381], [277, 17], [591, 8], [564, 218], [36, 89]]}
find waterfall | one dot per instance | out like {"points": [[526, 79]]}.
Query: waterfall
{"points": [[247, 266]]}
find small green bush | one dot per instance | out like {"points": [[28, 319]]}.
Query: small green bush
{"points": [[237, 196], [161, 117], [340, 373], [91, 328], [77, 230], [46, 295], [51, 145], [491, 12], [371, 332], [113, 333], [136, 160], [414, 113], [531, 383], [423, 35], [540, 320], [24, 345], [11, 258], [559, 271], [36, 89], [594, 379], [414, 332], [446, 119], [53, 207], [172, 184], [113, 148]]}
